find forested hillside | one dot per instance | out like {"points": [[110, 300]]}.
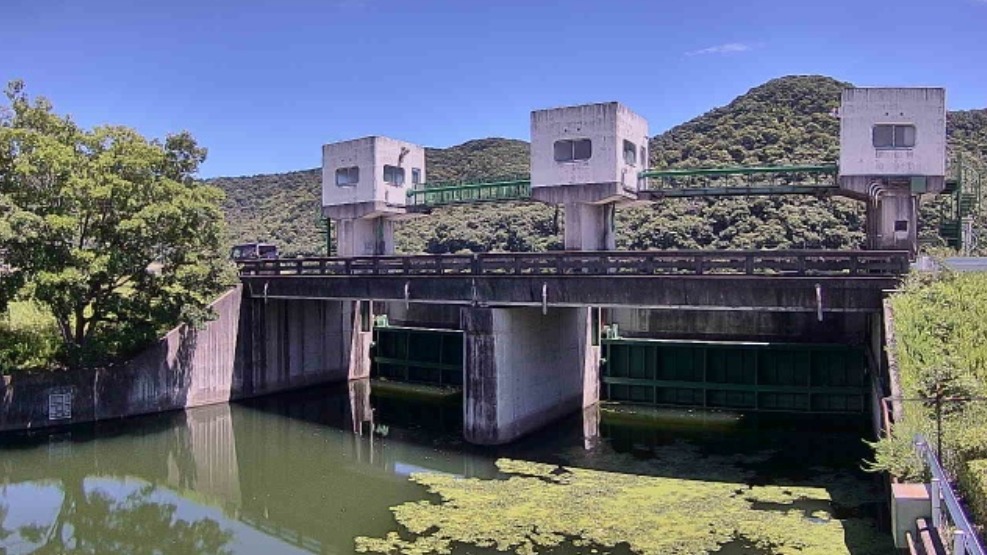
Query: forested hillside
{"points": [[784, 121]]}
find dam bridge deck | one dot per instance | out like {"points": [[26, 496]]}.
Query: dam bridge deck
{"points": [[823, 281]]}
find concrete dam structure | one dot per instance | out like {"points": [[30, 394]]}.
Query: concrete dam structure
{"points": [[532, 336]]}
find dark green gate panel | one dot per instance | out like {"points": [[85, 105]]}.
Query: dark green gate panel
{"points": [[418, 355], [741, 376]]}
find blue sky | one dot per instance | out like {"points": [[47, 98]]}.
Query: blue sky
{"points": [[263, 83]]}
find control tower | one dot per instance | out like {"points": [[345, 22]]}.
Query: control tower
{"points": [[892, 152], [587, 158], [364, 188]]}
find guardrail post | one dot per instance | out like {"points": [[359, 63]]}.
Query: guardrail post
{"points": [[475, 265], [936, 504], [749, 264], [700, 264], [959, 542], [800, 264]]}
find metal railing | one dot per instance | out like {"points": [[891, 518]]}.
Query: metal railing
{"points": [[643, 263], [965, 540]]}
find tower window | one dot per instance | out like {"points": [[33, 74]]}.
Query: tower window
{"points": [[630, 153], [394, 175], [347, 177], [571, 150], [894, 136], [416, 176]]}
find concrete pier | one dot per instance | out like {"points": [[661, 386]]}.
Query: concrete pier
{"points": [[892, 219], [590, 227], [524, 369], [365, 236]]}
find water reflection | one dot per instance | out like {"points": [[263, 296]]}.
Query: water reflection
{"points": [[103, 515], [305, 472]]}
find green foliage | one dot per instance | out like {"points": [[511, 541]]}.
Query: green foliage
{"points": [[967, 132], [29, 336], [940, 328], [973, 481], [508, 227], [86, 214], [784, 121], [283, 209]]}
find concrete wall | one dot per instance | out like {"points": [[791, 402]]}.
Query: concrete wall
{"points": [[863, 108], [252, 348], [370, 155], [798, 327], [524, 369], [441, 316], [607, 125]]}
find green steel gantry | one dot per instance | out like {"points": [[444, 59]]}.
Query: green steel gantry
{"points": [[740, 181], [699, 182]]}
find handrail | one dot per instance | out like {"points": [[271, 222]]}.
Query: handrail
{"points": [[966, 541], [687, 262]]}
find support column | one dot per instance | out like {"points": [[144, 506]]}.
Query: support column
{"points": [[892, 220], [524, 369], [590, 227], [365, 236]]}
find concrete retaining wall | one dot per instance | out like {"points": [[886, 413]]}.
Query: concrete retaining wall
{"points": [[253, 347]]}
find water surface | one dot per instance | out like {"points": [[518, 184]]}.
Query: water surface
{"points": [[313, 471]]}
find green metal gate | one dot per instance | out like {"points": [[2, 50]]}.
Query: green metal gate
{"points": [[418, 355], [734, 375]]}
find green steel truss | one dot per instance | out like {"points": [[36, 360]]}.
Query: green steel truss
{"points": [[429, 195], [768, 377], [703, 182], [740, 181]]}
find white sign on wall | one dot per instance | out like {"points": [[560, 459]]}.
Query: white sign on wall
{"points": [[60, 406]]}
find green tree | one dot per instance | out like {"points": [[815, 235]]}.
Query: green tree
{"points": [[109, 229]]}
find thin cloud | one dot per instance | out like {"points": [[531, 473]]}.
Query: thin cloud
{"points": [[728, 48]]}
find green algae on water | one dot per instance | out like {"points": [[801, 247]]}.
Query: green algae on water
{"points": [[542, 506]]}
